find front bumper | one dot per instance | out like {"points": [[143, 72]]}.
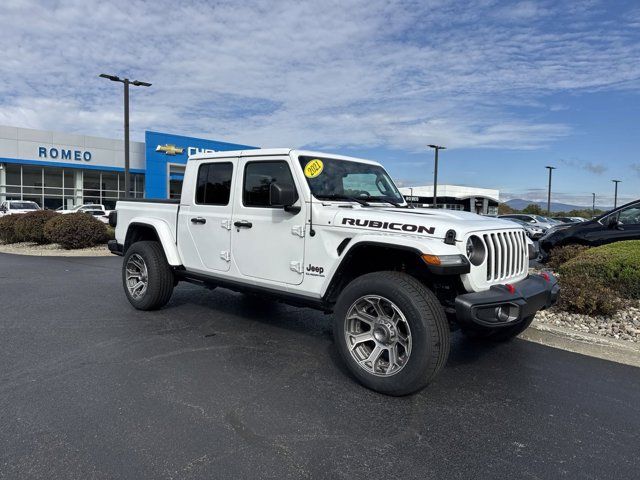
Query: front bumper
{"points": [[504, 305]]}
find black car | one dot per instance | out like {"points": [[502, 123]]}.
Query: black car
{"points": [[622, 223]]}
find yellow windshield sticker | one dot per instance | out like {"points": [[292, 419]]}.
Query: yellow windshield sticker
{"points": [[313, 168]]}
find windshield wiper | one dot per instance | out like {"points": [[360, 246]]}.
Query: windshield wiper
{"points": [[343, 197]]}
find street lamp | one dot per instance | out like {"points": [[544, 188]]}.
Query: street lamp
{"points": [[593, 205], [435, 174], [551, 169], [615, 196], [126, 82]]}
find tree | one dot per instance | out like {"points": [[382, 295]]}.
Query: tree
{"points": [[532, 209], [504, 209]]}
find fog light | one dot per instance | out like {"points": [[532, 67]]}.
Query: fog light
{"points": [[507, 313]]}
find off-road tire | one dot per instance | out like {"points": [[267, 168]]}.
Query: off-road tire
{"points": [[160, 278], [425, 317]]}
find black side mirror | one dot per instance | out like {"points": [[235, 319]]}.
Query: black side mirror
{"points": [[283, 196], [612, 222]]}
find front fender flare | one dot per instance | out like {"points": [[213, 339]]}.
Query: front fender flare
{"points": [[416, 245]]}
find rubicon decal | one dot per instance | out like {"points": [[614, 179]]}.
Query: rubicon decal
{"points": [[399, 227]]}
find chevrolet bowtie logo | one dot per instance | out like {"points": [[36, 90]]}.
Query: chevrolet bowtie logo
{"points": [[169, 149]]}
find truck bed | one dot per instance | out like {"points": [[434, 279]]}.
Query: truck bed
{"points": [[131, 210]]}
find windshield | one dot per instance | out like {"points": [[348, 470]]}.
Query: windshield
{"points": [[24, 206], [332, 179]]}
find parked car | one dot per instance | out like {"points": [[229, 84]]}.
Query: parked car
{"points": [[83, 208], [98, 214], [334, 233], [537, 220], [564, 219], [623, 223], [533, 232], [10, 207]]}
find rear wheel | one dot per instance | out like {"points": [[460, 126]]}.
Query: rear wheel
{"points": [[391, 332], [147, 277]]}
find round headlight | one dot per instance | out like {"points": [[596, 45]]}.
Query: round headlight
{"points": [[476, 252]]}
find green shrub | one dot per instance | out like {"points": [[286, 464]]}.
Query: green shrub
{"points": [[75, 230], [30, 226], [587, 295], [7, 228], [561, 255], [616, 266]]}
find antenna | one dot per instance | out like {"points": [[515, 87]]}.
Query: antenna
{"points": [[312, 232]]}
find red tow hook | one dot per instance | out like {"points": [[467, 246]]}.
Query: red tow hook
{"points": [[546, 276], [511, 288]]}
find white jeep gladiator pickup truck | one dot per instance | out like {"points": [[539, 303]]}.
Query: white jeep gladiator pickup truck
{"points": [[334, 233]]}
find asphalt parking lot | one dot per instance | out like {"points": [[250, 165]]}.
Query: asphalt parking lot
{"points": [[222, 385]]}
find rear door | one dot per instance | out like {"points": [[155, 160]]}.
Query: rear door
{"points": [[267, 242], [204, 224]]}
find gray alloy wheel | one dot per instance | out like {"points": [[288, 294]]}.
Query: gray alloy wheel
{"points": [[137, 277], [377, 335]]}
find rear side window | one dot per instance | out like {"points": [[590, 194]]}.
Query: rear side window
{"points": [[214, 184], [258, 176]]}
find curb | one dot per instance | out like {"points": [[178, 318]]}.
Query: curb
{"points": [[614, 350], [34, 252]]}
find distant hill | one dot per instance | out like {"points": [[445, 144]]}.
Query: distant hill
{"points": [[519, 204]]}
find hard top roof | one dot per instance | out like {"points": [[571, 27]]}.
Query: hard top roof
{"points": [[265, 152]]}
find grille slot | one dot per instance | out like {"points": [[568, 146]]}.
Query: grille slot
{"points": [[506, 254]]}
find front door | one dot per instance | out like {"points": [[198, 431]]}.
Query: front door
{"points": [[628, 226], [204, 229], [267, 242]]}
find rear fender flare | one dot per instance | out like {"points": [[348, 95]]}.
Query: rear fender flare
{"points": [[164, 234]]}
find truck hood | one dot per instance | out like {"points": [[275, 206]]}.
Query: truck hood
{"points": [[421, 221]]}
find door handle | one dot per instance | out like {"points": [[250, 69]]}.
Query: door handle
{"points": [[243, 224], [199, 220]]}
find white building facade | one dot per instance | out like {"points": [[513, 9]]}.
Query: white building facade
{"points": [[483, 201]]}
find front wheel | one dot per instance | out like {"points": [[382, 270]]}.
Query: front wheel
{"points": [[147, 277], [391, 332]]}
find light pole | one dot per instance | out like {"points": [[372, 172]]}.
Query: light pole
{"points": [[551, 169], [126, 82], [615, 195], [593, 204], [435, 174]]}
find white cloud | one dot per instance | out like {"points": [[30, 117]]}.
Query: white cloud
{"points": [[325, 74]]}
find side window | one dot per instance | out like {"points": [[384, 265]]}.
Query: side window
{"points": [[630, 215], [258, 176], [213, 186]]}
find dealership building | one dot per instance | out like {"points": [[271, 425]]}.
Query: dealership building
{"points": [[483, 201], [56, 169]]}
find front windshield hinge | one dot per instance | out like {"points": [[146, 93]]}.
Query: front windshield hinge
{"points": [[298, 230], [450, 237]]}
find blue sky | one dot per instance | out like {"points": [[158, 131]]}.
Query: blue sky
{"points": [[508, 87]]}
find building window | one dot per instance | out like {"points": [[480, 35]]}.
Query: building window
{"points": [[54, 187], [176, 176]]}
